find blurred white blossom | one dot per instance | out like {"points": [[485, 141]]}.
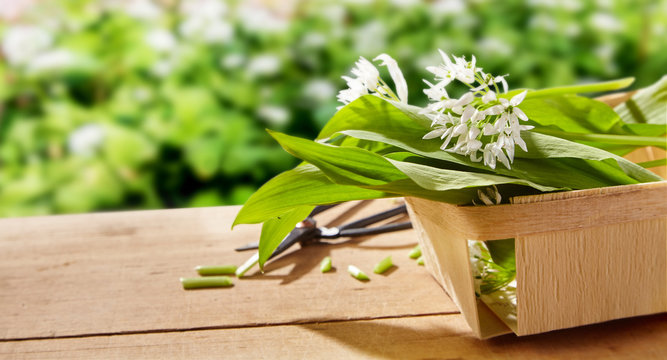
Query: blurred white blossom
{"points": [[492, 45], [161, 40], [211, 9], [259, 18], [275, 115], [335, 13], [544, 22], [448, 7], [21, 43], [162, 68], [142, 9], [57, 59], [85, 140], [606, 22], [232, 61], [370, 38], [320, 90], [314, 40], [205, 20], [405, 4], [572, 30], [263, 65]]}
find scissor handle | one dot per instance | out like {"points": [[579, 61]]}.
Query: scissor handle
{"points": [[321, 208], [375, 230], [374, 218]]}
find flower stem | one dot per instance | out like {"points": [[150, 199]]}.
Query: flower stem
{"points": [[657, 141], [653, 163]]}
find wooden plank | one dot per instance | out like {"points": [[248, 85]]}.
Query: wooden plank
{"points": [[447, 258], [591, 275], [594, 207], [118, 272], [428, 337]]}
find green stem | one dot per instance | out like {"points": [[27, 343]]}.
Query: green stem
{"points": [[658, 141], [216, 270], [206, 282], [585, 88], [252, 261], [383, 265], [653, 163]]}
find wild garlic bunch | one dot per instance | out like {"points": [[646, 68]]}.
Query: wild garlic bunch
{"points": [[478, 124], [379, 146]]}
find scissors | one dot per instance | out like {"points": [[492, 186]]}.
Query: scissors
{"points": [[307, 232]]}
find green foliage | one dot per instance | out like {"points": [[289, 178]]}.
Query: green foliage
{"points": [[183, 119], [389, 156]]}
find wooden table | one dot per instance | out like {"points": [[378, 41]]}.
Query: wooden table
{"points": [[106, 286]]}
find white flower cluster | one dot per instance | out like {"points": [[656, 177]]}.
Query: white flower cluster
{"points": [[478, 121], [368, 81]]}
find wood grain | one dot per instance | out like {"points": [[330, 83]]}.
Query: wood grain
{"points": [[446, 257], [569, 278], [548, 212], [118, 272], [594, 252], [428, 337]]}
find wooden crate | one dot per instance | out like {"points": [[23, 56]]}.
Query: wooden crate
{"points": [[582, 256]]}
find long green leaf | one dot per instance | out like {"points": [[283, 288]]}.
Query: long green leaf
{"points": [[374, 119], [647, 105], [502, 253], [275, 229], [344, 166], [303, 185], [571, 113], [583, 88], [542, 146]]}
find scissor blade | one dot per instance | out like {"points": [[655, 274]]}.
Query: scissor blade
{"points": [[295, 236], [248, 246]]}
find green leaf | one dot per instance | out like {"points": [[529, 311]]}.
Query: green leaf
{"points": [[374, 119], [351, 166], [647, 129], [584, 88], [344, 165], [204, 156], [303, 185], [571, 113], [541, 146], [502, 253], [275, 229], [646, 106]]}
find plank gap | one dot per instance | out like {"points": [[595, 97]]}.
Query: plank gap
{"points": [[224, 327]]}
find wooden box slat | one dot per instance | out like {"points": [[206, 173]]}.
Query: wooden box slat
{"points": [[626, 224]]}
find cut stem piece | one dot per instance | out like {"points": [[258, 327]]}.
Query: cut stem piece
{"points": [[383, 265], [415, 253], [325, 266], [216, 270], [357, 273], [206, 282], [252, 261]]}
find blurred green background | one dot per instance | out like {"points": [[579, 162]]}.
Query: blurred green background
{"points": [[109, 105]]}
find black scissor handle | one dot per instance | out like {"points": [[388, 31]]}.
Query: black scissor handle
{"points": [[375, 230], [374, 218]]}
